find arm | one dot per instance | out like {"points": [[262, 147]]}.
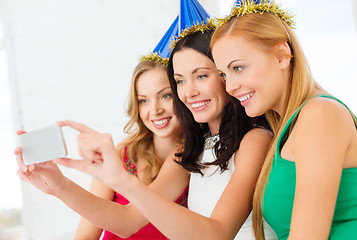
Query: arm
{"points": [[177, 222], [86, 229], [232, 208], [322, 135], [103, 213], [170, 183]]}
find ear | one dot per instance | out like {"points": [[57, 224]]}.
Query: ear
{"points": [[284, 55]]}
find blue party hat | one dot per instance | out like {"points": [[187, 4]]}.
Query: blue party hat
{"points": [[161, 52], [162, 47], [191, 12], [193, 18]]}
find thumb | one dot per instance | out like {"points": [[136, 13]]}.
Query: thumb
{"points": [[43, 169]]}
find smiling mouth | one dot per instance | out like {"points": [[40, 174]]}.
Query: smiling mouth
{"points": [[199, 104], [161, 123], [246, 97]]}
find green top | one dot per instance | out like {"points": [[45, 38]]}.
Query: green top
{"points": [[280, 190]]}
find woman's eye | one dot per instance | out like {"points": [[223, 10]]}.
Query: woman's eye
{"points": [[167, 96], [141, 101], [179, 82], [238, 69], [201, 76]]}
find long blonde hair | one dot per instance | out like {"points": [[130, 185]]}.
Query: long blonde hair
{"points": [[139, 141], [267, 31]]}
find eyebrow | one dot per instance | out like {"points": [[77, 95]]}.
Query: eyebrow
{"points": [[139, 95], [194, 70], [233, 61], [162, 90], [199, 68]]}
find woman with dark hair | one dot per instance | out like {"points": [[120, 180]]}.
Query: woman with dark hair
{"points": [[221, 157], [234, 121]]}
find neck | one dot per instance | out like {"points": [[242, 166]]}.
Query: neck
{"points": [[280, 105], [214, 126], [164, 146]]}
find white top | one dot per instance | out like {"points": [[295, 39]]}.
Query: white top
{"points": [[205, 191]]}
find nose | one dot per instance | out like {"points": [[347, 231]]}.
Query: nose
{"points": [[191, 90], [157, 107], [232, 84]]}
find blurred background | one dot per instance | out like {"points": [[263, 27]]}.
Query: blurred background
{"points": [[73, 59]]}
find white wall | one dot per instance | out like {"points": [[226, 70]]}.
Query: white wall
{"points": [[326, 30], [73, 59]]}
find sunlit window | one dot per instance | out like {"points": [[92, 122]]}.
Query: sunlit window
{"points": [[10, 200]]}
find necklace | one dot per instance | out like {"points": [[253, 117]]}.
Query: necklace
{"points": [[210, 141]]}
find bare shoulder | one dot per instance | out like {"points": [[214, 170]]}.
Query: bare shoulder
{"points": [[172, 158], [172, 178], [323, 132], [171, 162], [325, 113], [326, 108], [257, 136], [253, 147]]}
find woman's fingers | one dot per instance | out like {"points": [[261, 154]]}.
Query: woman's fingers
{"points": [[23, 171], [23, 176], [20, 132], [75, 125], [97, 157], [76, 164], [91, 155], [18, 150], [19, 160], [93, 168]]}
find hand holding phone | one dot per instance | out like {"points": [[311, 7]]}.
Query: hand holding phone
{"points": [[42, 145]]}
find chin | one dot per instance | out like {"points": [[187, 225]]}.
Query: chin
{"points": [[199, 120], [165, 134], [252, 113]]}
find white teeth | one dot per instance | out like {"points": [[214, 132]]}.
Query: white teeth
{"points": [[200, 104], [161, 122], [245, 97]]}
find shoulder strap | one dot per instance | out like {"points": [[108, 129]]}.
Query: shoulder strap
{"points": [[125, 157]]}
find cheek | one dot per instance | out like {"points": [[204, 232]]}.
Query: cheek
{"points": [[169, 106], [251, 76], [224, 99], [142, 112], [219, 87], [181, 93]]}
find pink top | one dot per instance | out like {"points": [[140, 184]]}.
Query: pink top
{"points": [[149, 231]]}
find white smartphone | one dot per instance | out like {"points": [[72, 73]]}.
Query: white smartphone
{"points": [[42, 145]]}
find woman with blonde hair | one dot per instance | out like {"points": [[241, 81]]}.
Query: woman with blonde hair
{"points": [[307, 187], [153, 132]]}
